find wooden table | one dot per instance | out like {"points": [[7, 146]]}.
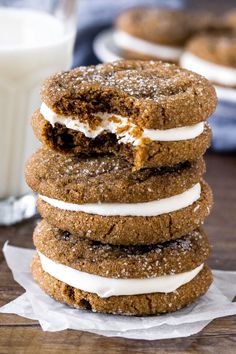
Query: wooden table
{"points": [[19, 335]]}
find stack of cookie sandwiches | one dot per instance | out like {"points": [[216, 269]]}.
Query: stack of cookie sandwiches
{"points": [[121, 189]]}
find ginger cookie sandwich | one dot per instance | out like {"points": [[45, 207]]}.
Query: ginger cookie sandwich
{"points": [[158, 33], [152, 114], [214, 56], [101, 198], [133, 280]]}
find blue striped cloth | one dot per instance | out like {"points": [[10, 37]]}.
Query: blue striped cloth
{"points": [[223, 123]]}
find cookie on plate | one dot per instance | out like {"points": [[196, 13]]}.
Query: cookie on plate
{"points": [[137, 280], [214, 56], [150, 113], [158, 33], [101, 198]]}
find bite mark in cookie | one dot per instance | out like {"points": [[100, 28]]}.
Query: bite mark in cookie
{"points": [[128, 108], [148, 153]]}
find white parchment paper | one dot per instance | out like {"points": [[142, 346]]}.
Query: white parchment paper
{"points": [[54, 316]]}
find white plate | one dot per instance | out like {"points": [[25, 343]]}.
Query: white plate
{"points": [[105, 48]]}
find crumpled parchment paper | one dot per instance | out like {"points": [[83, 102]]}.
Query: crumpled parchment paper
{"points": [[54, 316]]}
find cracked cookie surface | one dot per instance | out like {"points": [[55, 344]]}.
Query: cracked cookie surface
{"points": [[154, 95], [173, 257], [106, 178]]}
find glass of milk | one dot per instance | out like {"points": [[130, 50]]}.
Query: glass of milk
{"points": [[36, 40]]}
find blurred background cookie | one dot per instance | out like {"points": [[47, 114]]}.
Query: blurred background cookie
{"points": [[150, 33], [213, 55], [159, 33]]}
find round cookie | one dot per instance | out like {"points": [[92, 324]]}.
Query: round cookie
{"points": [[213, 55], [154, 95], [150, 113], [161, 26], [181, 255], [130, 229], [215, 48], [139, 305], [106, 178]]}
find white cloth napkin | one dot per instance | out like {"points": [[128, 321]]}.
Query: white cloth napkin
{"points": [[54, 316]]}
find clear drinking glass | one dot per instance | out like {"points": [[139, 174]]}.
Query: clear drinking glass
{"points": [[36, 40]]}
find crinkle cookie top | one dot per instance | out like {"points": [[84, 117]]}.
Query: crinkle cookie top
{"points": [[106, 178], [171, 257], [153, 94]]}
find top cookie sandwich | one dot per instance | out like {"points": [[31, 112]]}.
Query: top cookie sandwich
{"points": [[214, 56], [150, 113], [158, 33]]}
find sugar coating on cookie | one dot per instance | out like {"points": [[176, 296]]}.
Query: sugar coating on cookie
{"points": [[102, 198], [154, 95], [172, 257], [106, 179], [106, 273]]}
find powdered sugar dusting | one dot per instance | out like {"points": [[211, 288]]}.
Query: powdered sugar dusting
{"points": [[148, 80]]}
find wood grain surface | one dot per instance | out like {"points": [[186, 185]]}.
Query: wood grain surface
{"points": [[19, 335]]}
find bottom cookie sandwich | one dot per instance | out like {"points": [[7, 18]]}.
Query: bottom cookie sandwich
{"points": [[128, 280]]}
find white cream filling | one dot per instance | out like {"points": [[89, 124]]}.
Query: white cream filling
{"points": [[153, 208], [105, 287], [127, 41], [114, 124], [217, 73]]}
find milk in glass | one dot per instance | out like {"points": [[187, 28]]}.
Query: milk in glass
{"points": [[33, 45]]}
